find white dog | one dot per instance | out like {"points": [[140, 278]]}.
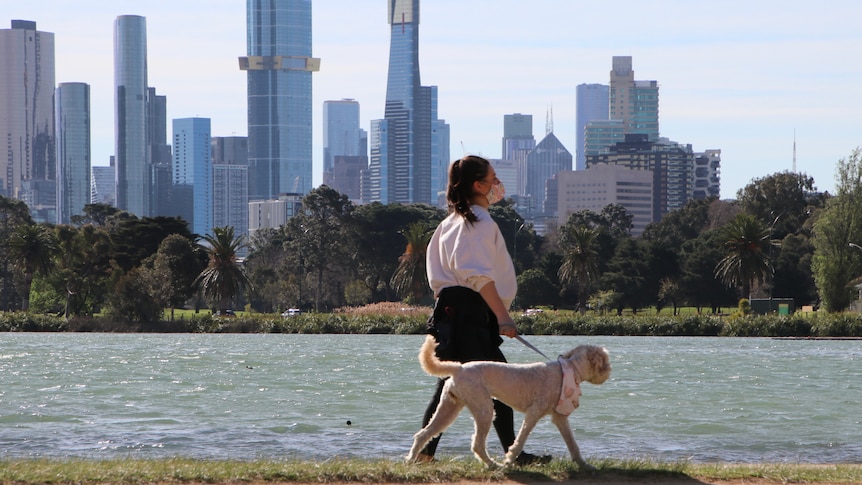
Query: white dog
{"points": [[533, 389]]}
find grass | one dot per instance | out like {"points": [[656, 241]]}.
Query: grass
{"points": [[181, 470]]}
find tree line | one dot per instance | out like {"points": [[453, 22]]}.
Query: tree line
{"points": [[781, 237]]}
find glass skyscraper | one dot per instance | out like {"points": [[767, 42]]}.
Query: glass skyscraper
{"points": [[591, 104], [633, 102], [27, 164], [193, 172], [72, 116], [341, 132], [400, 168], [279, 67], [230, 183], [133, 174]]}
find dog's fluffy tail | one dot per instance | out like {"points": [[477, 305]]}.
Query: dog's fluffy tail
{"points": [[433, 365]]}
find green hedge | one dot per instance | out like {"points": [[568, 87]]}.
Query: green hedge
{"points": [[549, 323]]}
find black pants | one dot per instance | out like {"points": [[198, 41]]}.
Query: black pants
{"points": [[466, 330]]}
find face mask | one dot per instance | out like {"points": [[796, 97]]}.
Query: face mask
{"points": [[496, 194]]}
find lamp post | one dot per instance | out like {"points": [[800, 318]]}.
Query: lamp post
{"points": [[515, 243]]}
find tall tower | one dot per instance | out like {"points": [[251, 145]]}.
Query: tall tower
{"points": [[591, 102], [633, 102], [279, 67], [192, 169], [518, 141], [230, 183], [131, 141], [72, 114], [342, 135], [400, 168], [27, 163]]}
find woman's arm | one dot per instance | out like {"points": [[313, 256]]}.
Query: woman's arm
{"points": [[504, 321]]}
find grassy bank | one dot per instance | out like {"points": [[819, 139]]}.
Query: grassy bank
{"points": [[412, 321], [84, 472]]}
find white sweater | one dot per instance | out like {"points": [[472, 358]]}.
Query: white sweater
{"points": [[470, 255]]}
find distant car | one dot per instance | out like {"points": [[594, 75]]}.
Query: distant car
{"points": [[533, 311], [226, 313], [291, 312]]}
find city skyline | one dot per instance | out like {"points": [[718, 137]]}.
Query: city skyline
{"points": [[738, 77]]}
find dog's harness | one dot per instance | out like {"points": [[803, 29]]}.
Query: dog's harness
{"points": [[570, 392]]}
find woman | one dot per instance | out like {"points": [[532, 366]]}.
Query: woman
{"points": [[473, 279]]}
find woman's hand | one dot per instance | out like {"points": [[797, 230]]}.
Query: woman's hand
{"points": [[508, 328]]}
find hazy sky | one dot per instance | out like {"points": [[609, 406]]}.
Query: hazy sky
{"points": [[740, 76]]}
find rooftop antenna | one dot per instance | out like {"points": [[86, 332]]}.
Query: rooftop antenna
{"points": [[463, 150], [794, 150], [549, 121]]}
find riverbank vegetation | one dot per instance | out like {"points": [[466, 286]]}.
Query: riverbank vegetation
{"points": [[412, 320], [336, 470]]}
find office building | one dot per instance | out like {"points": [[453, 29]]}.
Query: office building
{"points": [[673, 166], [543, 162], [103, 184], [230, 183], [131, 146], [401, 159], [600, 185], [192, 168], [633, 102], [591, 105], [272, 213], [601, 134], [707, 175], [279, 66], [440, 156], [342, 135], [160, 157], [72, 116], [27, 138], [518, 142]]}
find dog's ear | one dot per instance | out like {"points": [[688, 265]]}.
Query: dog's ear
{"points": [[600, 362]]}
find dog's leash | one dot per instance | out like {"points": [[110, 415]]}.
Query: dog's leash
{"points": [[530, 346]]}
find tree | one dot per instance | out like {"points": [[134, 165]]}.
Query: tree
{"points": [[627, 275], [836, 263], [135, 239], [13, 213], [747, 246], [31, 248], [410, 279], [82, 267], [580, 260], [175, 265], [535, 289], [520, 237], [784, 198], [223, 278], [698, 259]]}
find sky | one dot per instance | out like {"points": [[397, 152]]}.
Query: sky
{"points": [[747, 77]]}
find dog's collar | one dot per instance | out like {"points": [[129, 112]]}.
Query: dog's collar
{"points": [[570, 390]]}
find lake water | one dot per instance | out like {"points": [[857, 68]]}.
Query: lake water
{"points": [[272, 396]]}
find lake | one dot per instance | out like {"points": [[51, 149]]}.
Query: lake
{"points": [[312, 397]]}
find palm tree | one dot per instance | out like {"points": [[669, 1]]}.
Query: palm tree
{"points": [[747, 245], [410, 278], [32, 247], [223, 278], [580, 260]]}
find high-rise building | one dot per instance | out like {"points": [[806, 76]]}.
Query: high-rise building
{"points": [[601, 134], [591, 105], [103, 184], [603, 184], [402, 159], [272, 213], [518, 142], [27, 143], [230, 183], [279, 66], [341, 132], [674, 167], [546, 160], [633, 102], [131, 146], [159, 153], [192, 169], [72, 116]]}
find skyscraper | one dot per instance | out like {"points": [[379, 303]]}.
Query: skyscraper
{"points": [[27, 163], [546, 160], [400, 168], [341, 132], [518, 142], [633, 102], [192, 167], [279, 67], [133, 172], [72, 115], [230, 183], [591, 102]]}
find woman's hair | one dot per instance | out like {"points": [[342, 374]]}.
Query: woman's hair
{"points": [[462, 173]]}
